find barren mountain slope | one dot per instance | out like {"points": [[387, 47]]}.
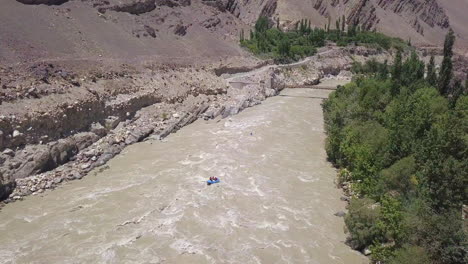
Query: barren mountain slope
{"points": [[192, 30], [118, 29]]}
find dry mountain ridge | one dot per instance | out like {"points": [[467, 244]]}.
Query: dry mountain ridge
{"points": [[190, 30]]}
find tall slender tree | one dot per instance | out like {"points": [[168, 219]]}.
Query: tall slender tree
{"points": [[383, 71], [446, 74], [397, 66], [456, 92], [431, 77], [343, 23], [396, 73]]}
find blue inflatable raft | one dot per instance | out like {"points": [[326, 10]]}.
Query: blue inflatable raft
{"points": [[209, 182]]}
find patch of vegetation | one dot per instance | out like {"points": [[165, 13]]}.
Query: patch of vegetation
{"points": [[271, 42], [401, 137]]}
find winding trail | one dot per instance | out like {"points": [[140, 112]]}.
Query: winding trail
{"points": [[237, 77]]}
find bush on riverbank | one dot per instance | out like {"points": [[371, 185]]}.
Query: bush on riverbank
{"points": [[303, 41], [404, 140]]}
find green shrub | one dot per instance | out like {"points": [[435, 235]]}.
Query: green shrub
{"points": [[361, 223], [410, 255], [400, 177]]}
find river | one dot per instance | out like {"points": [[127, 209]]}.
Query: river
{"points": [[275, 203]]}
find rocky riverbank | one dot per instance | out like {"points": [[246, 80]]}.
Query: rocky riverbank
{"points": [[62, 137]]}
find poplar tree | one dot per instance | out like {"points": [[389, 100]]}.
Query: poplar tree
{"points": [[396, 74], [446, 74], [343, 23], [431, 77], [383, 71]]}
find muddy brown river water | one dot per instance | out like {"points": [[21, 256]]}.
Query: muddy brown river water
{"points": [[275, 202]]}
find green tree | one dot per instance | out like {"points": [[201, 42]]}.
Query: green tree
{"points": [[446, 74], [391, 219], [443, 160], [412, 70], [400, 177], [431, 72], [284, 48], [456, 92], [396, 73], [383, 71], [261, 25], [343, 23]]}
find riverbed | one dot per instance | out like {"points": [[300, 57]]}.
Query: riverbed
{"points": [[275, 203]]}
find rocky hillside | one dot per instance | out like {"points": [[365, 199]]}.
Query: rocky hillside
{"points": [[191, 30], [123, 30]]}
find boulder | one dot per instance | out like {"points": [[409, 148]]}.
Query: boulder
{"points": [[173, 3], [32, 161], [340, 214], [61, 152], [180, 30], [9, 152], [150, 31], [367, 251], [1, 139], [42, 2], [73, 174], [98, 129], [134, 7], [18, 138], [6, 189], [111, 122], [84, 139]]}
